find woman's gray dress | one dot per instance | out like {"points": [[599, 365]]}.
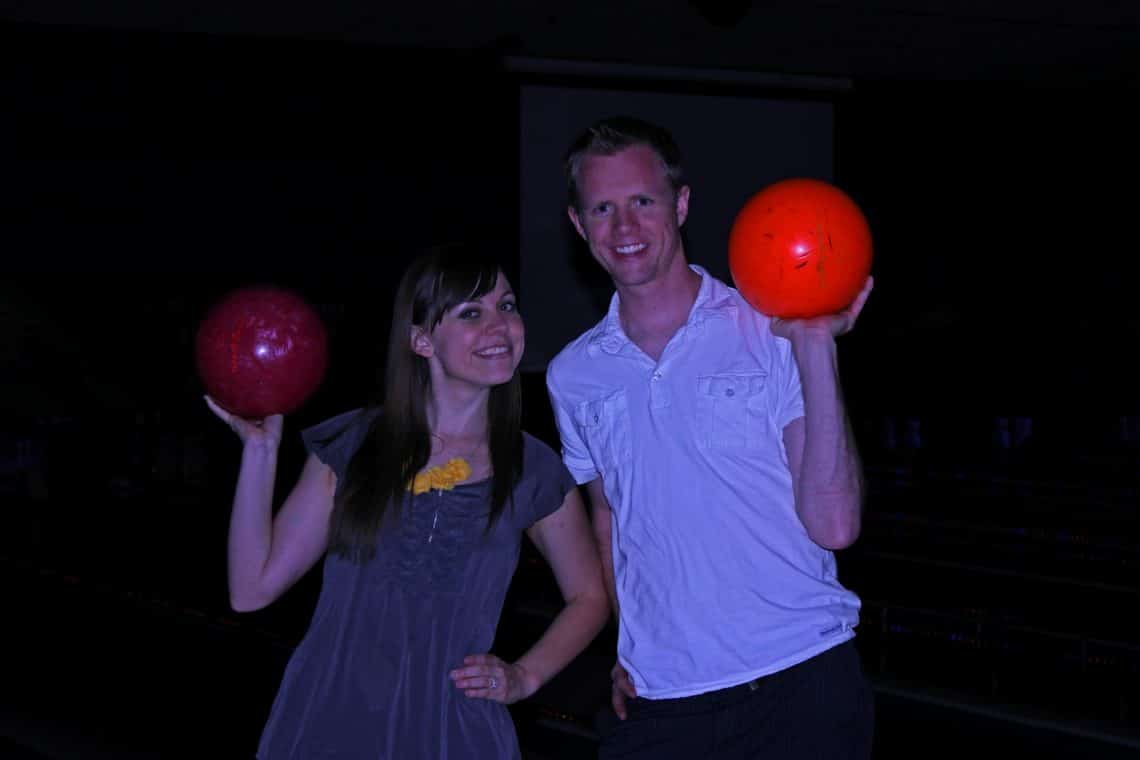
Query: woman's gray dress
{"points": [[370, 678]]}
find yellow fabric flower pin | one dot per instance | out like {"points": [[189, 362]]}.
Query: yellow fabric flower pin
{"points": [[442, 477]]}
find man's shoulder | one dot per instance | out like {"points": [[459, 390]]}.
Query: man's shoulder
{"points": [[574, 353], [719, 295], [725, 300]]}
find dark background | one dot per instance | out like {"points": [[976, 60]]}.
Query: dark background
{"points": [[155, 157]]}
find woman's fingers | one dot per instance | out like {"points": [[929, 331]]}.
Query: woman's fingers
{"points": [[485, 676]]}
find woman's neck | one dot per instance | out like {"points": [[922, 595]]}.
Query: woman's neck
{"points": [[465, 420], [459, 430]]}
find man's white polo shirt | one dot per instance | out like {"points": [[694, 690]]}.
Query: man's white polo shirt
{"points": [[717, 580]]}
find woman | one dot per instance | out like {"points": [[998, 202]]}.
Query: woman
{"points": [[418, 508]]}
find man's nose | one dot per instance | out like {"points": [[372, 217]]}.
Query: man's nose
{"points": [[625, 219]]}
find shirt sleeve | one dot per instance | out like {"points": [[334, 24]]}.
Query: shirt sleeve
{"points": [[574, 452], [549, 480], [337, 439]]}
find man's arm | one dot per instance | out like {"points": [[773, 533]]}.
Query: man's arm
{"points": [[827, 473], [601, 520]]}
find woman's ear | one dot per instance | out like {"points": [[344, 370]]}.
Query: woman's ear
{"points": [[421, 342]]}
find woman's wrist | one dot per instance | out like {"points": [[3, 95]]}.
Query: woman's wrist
{"points": [[259, 449], [530, 683]]}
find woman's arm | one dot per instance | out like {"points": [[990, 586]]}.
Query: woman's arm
{"points": [[267, 554], [564, 540]]}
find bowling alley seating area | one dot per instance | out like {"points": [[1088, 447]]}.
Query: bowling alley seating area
{"points": [[996, 591]]}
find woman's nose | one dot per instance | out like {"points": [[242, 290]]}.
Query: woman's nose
{"points": [[497, 322]]}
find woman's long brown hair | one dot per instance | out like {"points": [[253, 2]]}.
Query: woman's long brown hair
{"points": [[398, 445]]}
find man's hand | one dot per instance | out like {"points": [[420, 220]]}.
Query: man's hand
{"points": [[622, 688], [829, 324]]}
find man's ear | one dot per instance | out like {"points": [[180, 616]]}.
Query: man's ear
{"points": [[421, 342], [573, 214], [682, 204]]}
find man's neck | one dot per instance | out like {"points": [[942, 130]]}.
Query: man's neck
{"points": [[652, 313]]}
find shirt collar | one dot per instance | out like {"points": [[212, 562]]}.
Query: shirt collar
{"points": [[714, 301]]}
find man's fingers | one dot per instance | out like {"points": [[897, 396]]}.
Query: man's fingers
{"points": [[619, 704]]}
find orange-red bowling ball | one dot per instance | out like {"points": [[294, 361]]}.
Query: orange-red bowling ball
{"points": [[261, 351], [800, 248]]}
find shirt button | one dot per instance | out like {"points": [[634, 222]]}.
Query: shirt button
{"points": [[730, 392], [656, 375]]}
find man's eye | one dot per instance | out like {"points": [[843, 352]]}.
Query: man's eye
{"points": [[644, 201], [602, 209]]}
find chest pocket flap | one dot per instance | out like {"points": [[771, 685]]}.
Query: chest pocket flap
{"points": [[733, 410], [604, 424]]}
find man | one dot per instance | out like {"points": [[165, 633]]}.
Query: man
{"points": [[722, 473]]}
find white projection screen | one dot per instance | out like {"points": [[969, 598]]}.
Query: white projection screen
{"points": [[732, 145]]}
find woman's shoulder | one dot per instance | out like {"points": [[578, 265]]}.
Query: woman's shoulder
{"points": [[339, 424], [538, 454], [545, 479], [335, 439]]}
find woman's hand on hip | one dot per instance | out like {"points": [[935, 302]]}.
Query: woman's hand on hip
{"points": [[485, 676]]}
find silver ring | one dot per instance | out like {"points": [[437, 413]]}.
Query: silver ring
{"points": [[494, 683]]}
